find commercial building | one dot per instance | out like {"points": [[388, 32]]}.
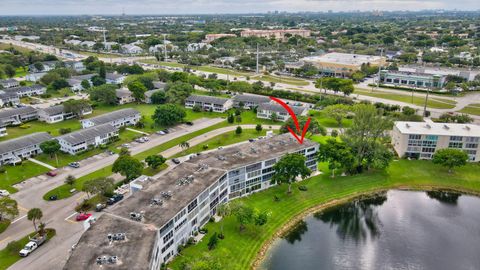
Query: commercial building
{"points": [[14, 150], [9, 83], [57, 113], [212, 37], [412, 79], [123, 117], [249, 101], [207, 103], [266, 110], [466, 73], [280, 34], [341, 64], [84, 139], [162, 214], [422, 139]]}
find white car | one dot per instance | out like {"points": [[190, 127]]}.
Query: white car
{"points": [[4, 193]]}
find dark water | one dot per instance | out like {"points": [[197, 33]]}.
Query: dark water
{"points": [[397, 230]]}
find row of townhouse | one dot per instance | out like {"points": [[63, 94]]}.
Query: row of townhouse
{"points": [[96, 131], [75, 82], [119, 118], [266, 109], [85, 139], [9, 83], [421, 140], [16, 116], [58, 113], [147, 228], [11, 96], [14, 150]]}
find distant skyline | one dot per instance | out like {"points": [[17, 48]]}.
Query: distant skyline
{"points": [[107, 7]]}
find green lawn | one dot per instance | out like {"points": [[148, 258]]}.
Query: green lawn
{"points": [[37, 126], [21, 72], [224, 139], [7, 258], [103, 55], [433, 102], [471, 109], [325, 121], [279, 79], [18, 173], [242, 248], [4, 46], [4, 225]]}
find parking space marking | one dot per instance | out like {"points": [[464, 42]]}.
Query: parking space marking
{"points": [[67, 219], [20, 218]]}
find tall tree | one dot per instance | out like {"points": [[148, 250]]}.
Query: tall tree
{"points": [[33, 215], [450, 158], [168, 114], [76, 106], [366, 137], [336, 153], [128, 166], [98, 186], [51, 147], [154, 161], [138, 90], [288, 168], [105, 94], [337, 112], [243, 213]]}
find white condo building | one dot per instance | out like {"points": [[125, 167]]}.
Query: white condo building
{"points": [[145, 229], [422, 139]]}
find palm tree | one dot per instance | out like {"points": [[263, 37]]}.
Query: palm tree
{"points": [[184, 144], [34, 214]]}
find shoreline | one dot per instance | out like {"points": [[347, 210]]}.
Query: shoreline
{"points": [[290, 224]]}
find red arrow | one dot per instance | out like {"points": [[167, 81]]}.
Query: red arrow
{"points": [[295, 121]]}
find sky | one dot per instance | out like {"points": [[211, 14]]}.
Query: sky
{"points": [[89, 7]]}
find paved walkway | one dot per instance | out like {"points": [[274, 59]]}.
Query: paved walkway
{"points": [[42, 164], [137, 131]]}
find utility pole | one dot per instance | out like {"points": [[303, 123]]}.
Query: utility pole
{"points": [[425, 105], [257, 59], [379, 68], [165, 46], [104, 40]]}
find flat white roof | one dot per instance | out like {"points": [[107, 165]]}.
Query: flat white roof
{"points": [[344, 58], [441, 129]]}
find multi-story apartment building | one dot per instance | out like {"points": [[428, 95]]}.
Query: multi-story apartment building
{"points": [[211, 37], [267, 110], [280, 34], [215, 104], [81, 140], [123, 117], [422, 139], [57, 113], [145, 229], [412, 79], [14, 150]]}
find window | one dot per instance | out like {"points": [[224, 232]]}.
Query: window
{"points": [[455, 145], [471, 145], [456, 138], [192, 205]]}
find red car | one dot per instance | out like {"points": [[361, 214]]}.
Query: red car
{"points": [[52, 173], [83, 216]]}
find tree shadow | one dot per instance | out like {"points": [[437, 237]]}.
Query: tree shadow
{"points": [[356, 220], [295, 234], [444, 196]]}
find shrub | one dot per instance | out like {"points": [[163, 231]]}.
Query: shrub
{"points": [[25, 126], [205, 146], [45, 95], [212, 219], [2, 169], [302, 188], [64, 130], [213, 241], [334, 133]]}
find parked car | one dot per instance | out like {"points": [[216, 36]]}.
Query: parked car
{"points": [[32, 245], [74, 164], [251, 140], [161, 132], [140, 140], [4, 193], [176, 160], [52, 198], [114, 199], [109, 152], [126, 145], [145, 138], [52, 173], [189, 123], [82, 216], [99, 207], [166, 131]]}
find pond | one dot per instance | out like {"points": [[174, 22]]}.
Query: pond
{"points": [[394, 230]]}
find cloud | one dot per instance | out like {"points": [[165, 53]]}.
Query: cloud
{"points": [[49, 7]]}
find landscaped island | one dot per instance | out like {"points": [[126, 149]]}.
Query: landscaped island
{"points": [[245, 249]]}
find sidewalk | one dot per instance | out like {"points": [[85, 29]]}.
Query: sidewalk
{"points": [[42, 164]]}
